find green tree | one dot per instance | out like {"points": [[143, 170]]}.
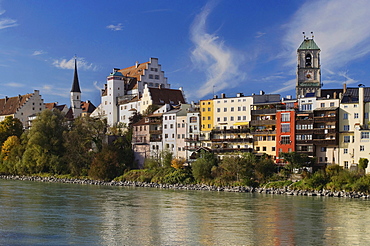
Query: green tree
{"points": [[202, 167], [10, 127], [264, 169], [362, 164], [296, 160], [45, 145], [166, 157], [105, 165], [11, 155]]}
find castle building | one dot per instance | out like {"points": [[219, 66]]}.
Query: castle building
{"points": [[308, 70]]}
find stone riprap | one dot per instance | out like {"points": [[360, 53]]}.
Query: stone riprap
{"points": [[204, 187]]}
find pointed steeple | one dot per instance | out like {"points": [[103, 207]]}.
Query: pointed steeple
{"points": [[76, 84]]}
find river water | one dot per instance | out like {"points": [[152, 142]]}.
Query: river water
{"points": [[33, 213]]}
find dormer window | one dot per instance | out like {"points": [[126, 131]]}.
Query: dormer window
{"points": [[308, 60]]}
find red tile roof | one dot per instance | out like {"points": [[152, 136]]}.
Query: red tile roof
{"points": [[161, 96], [134, 71], [12, 104], [87, 107]]}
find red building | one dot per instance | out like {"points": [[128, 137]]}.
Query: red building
{"points": [[285, 132]]}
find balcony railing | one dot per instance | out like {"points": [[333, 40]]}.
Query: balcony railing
{"points": [[242, 130], [325, 141], [324, 130], [154, 139], [263, 122], [225, 150], [233, 140], [326, 119], [155, 132], [264, 111], [192, 140], [262, 132]]}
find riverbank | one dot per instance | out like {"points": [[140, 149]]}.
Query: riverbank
{"points": [[201, 187]]}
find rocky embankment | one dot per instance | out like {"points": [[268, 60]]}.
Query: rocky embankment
{"points": [[282, 191]]}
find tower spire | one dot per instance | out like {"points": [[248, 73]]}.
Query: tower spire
{"points": [[75, 84]]}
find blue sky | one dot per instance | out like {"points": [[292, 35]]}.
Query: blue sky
{"points": [[203, 46]]}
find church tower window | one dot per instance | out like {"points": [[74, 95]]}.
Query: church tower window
{"points": [[308, 60]]}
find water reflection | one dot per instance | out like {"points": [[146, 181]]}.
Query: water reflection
{"points": [[60, 214]]}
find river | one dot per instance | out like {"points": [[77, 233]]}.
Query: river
{"points": [[35, 213]]}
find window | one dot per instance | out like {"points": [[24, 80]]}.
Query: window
{"points": [[171, 126], [285, 140], [232, 109], [218, 119], [209, 109], [331, 104], [346, 127], [264, 148], [285, 127], [345, 116], [362, 148], [182, 136], [165, 126], [165, 135], [209, 125], [239, 118], [347, 139], [244, 108], [218, 110], [323, 149], [178, 136], [366, 115], [306, 107], [272, 148], [239, 108], [232, 118], [244, 117], [356, 115], [156, 76], [225, 118], [322, 105], [355, 106], [209, 117], [150, 76], [285, 117], [257, 148], [225, 109], [308, 60], [346, 164], [365, 135], [193, 119], [345, 151]]}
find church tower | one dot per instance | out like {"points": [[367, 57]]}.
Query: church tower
{"points": [[76, 95], [308, 70]]}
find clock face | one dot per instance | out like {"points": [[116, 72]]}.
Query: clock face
{"points": [[308, 75]]}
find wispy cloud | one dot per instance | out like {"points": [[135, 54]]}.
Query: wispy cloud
{"points": [[13, 84], [95, 83], [212, 55], [117, 27], [51, 90], [6, 22], [260, 34], [38, 52], [287, 86], [70, 64], [341, 30]]}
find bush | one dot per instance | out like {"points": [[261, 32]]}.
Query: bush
{"points": [[279, 184]]}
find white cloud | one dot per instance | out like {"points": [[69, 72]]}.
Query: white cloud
{"points": [[38, 52], [117, 27], [7, 22], [287, 86], [213, 56], [95, 83], [50, 90], [341, 30], [70, 64], [13, 84], [260, 34]]}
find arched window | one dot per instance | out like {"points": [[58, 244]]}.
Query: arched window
{"points": [[308, 60]]}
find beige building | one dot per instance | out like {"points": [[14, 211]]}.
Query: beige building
{"points": [[354, 139]]}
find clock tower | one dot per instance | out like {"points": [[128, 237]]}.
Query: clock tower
{"points": [[308, 70]]}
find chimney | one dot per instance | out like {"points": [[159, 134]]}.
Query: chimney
{"points": [[262, 93], [223, 95], [288, 97], [160, 86], [335, 95], [344, 88], [215, 96], [136, 64]]}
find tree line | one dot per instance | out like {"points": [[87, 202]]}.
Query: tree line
{"points": [[59, 147]]}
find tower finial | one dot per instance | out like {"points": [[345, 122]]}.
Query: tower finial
{"points": [[304, 35], [312, 35]]}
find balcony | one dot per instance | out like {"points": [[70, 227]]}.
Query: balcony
{"points": [[155, 122], [226, 150], [191, 148], [326, 119], [325, 141], [219, 131], [264, 132], [155, 139], [324, 130], [263, 122], [233, 140], [264, 111], [157, 132], [191, 139]]}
